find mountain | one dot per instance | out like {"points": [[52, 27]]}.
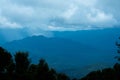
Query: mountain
{"points": [[2, 40], [71, 52], [102, 38], [41, 46]]}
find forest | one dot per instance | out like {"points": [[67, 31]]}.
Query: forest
{"points": [[19, 67]]}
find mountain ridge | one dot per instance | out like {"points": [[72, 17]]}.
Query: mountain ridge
{"points": [[69, 51]]}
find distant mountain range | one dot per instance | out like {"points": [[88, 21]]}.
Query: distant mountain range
{"points": [[41, 46], [79, 51], [102, 38]]}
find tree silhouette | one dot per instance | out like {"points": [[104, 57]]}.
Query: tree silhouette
{"points": [[52, 75], [43, 70], [32, 71], [5, 59], [117, 70], [22, 62], [118, 51], [108, 73], [21, 69], [62, 76]]}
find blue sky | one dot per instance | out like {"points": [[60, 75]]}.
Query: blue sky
{"points": [[19, 18]]}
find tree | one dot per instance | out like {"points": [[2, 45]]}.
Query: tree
{"points": [[108, 73], [118, 51], [5, 59], [32, 72], [62, 76], [43, 70], [22, 62], [52, 74]]}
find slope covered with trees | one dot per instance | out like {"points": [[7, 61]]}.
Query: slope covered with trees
{"points": [[20, 67], [108, 73]]}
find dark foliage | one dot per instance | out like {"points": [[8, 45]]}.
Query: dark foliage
{"points": [[5, 59], [105, 74], [20, 68], [108, 73], [62, 76], [22, 62], [118, 51]]}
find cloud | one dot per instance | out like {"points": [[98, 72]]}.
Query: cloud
{"points": [[5, 23], [34, 13], [42, 16], [70, 12], [73, 28], [101, 18], [110, 7]]}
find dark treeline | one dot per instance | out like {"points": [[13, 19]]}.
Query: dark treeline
{"points": [[108, 73], [105, 74], [20, 68]]}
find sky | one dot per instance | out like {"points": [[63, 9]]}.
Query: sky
{"points": [[21, 18]]}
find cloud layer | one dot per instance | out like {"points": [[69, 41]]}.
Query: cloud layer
{"points": [[40, 16]]}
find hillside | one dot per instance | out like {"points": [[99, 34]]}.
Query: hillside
{"points": [[71, 56]]}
